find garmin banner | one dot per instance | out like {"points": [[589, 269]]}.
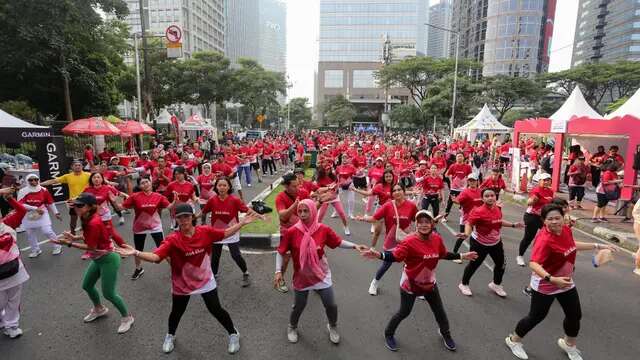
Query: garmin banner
{"points": [[53, 162]]}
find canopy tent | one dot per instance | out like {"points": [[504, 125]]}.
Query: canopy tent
{"points": [[164, 118], [574, 107], [631, 108], [195, 123], [483, 122], [14, 130]]}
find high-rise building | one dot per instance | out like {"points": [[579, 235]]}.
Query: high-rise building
{"points": [[439, 41], [508, 37], [257, 29], [352, 38], [202, 21], [607, 31]]}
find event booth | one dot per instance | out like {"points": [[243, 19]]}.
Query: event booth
{"points": [[483, 123], [584, 126], [14, 130]]}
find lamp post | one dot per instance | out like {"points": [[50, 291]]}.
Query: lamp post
{"points": [[455, 74], [138, 87]]}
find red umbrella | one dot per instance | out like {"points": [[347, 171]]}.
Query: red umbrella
{"points": [[131, 127], [148, 129], [91, 126]]}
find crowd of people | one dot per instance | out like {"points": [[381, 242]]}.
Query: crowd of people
{"points": [[409, 184]]}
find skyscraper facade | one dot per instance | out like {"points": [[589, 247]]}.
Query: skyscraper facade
{"points": [[202, 21], [439, 41], [257, 29], [508, 37], [607, 31]]}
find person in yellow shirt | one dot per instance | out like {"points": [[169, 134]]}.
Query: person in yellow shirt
{"points": [[77, 180]]}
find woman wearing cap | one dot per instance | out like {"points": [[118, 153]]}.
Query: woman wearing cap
{"points": [[469, 199], [37, 200], [483, 225], [306, 240], [552, 263], [398, 215], [189, 249], [375, 175], [205, 184], [13, 273], [180, 191], [147, 206], [420, 252], [432, 186], [105, 263], [224, 208], [539, 196]]}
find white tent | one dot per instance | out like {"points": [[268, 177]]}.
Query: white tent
{"points": [[574, 107], [630, 107], [483, 122], [15, 130], [195, 123], [164, 118]]}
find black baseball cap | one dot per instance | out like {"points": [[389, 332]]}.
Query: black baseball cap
{"points": [[85, 199], [184, 209]]}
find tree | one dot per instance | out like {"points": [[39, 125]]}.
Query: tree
{"points": [[19, 109], [61, 55], [406, 116], [502, 93], [616, 104], [299, 112], [440, 96], [338, 111], [256, 88]]}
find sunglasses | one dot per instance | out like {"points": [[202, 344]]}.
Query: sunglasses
{"points": [[79, 206]]}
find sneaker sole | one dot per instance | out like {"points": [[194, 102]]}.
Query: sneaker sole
{"points": [[388, 347]]}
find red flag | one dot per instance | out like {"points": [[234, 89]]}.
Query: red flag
{"points": [[176, 124]]}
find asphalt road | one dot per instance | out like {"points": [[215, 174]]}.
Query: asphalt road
{"points": [[53, 305]]}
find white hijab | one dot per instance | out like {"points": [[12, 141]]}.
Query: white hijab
{"points": [[29, 188]]}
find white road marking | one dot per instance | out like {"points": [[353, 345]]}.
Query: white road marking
{"points": [[465, 244]]}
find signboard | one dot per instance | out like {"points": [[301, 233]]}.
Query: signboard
{"points": [[53, 162], [173, 34], [559, 126], [260, 118]]}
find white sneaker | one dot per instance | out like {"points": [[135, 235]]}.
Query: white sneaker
{"points": [[457, 261], [334, 337], [94, 315], [498, 289], [292, 334], [572, 352], [352, 217], [637, 271], [347, 232], [35, 253], [167, 345], [520, 261], [373, 288], [121, 221], [234, 343], [57, 250], [13, 332], [334, 215], [248, 185], [373, 229], [465, 290], [516, 348], [125, 324]]}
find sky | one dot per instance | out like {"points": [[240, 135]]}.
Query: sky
{"points": [[303, 26]]}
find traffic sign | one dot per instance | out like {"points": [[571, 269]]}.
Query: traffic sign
{"points": [[173, 34], [260, 118]]}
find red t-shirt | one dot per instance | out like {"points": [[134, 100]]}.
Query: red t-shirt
{"points": [[309, 186], [97, 236], [190, 259], [206, 186], [159, 183], [606, 176], [458, 174], [283, 202], [420, 259], [557, 255], [495, 184], [345, 172], [469, 199], [185, 191], [406, 213], [146, 207], [439, 162], [102, 195], [544, 195], [88, 155], [224, 212], [432, 185], [486, 222], [375, 174], [383, 192], [221, 169], [37, 199], [291, 240]]}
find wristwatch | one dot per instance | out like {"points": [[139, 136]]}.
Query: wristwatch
{"points": [[548, 278]]}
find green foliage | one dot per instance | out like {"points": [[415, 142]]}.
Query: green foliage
{"points": [[19, 109], [338, 111], [406, 116], [45, 41], [440, 96], [299, 112], [610, 108], [502, 93]]}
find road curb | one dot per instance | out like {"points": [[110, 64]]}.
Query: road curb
{"points": [[262, 241]]}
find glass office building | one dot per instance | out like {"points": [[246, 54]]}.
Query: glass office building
{"points": [[439, 41]]}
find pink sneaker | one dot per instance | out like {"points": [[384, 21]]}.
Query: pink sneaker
{"points": [[465, 290], [85, 256], [497, 289]]}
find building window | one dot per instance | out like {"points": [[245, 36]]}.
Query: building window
{"points": [[363, 79], [333, 79], [634, 48]]}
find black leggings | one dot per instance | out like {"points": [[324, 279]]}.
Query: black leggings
{"points": [[327, 298], [406, 305], [540, 305], [452, 193], [459, 241], [268, 163], [576, 192], [595, 176], [532, 223], [383, 269], [432, 200], [497, 255], [139, 239], [179, 306], [234, 249]]}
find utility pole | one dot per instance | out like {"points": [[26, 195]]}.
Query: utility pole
{"points": [[147, 71], [386, 60], [138, 87]]}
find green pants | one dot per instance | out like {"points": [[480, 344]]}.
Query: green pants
{"points": [[105, 267]]}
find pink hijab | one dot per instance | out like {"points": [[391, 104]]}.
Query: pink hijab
{"points": [[311, 269]]}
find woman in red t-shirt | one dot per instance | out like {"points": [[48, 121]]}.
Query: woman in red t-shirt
{"points": [[180, 190], [375, 175], [189, 249], [205, 184], [608, 183], [469, 199], [420, 253], [345, 173], [432, 186], [105, 195], [306, 240], [382, 190], [483, 226], [398, 215], [325, 178], [539, 196], [552, 263]]}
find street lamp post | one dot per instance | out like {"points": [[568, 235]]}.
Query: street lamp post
{"points": [[138, 87], [455, 74]]}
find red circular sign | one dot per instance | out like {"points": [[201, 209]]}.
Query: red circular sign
{"points": [[173, 34]]}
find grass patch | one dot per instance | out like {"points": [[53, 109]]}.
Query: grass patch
{"points": [[271, 226]]}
